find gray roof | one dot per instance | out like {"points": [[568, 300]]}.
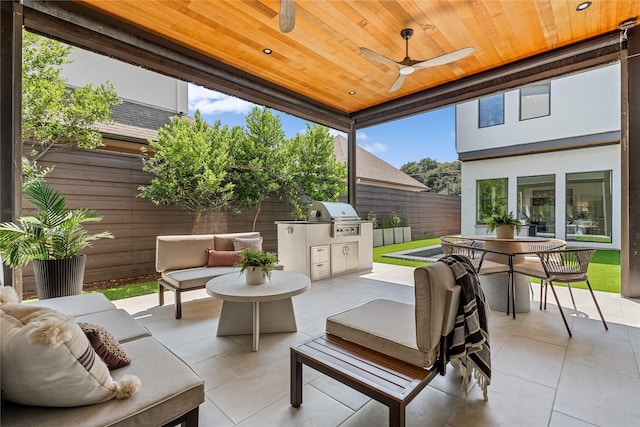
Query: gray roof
{"points": [[136, 122], [372, 170]]}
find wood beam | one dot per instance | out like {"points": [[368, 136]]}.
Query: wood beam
{"points": [[10, 121]]}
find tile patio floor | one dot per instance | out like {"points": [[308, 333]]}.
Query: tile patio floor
{"points": [[541, 377]]}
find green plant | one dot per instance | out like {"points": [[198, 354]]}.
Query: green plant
{"points": [[255, 258], [395, 220], [385, 222], [371, 216], [497, 219], [55, 232]]}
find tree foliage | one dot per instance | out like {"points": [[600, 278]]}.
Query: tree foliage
{"points": [[311, 170], [191, 163], [441, 178], [257, 158], [53, 113]]}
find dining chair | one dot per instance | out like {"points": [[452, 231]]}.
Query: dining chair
{"points": [[532, 261], [567, 266]]}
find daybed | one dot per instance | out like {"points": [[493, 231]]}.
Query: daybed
{"points": [[169, 392], [188, 262]]}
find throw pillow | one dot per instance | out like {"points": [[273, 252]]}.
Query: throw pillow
{"points": [[46, 360], [105, 346], [241, 243], [222, 258]]}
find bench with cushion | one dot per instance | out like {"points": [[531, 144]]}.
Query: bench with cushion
{"points": [[170, 392], [188, 262]]}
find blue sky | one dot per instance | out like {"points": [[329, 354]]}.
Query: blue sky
{"points": [[412, 139]]}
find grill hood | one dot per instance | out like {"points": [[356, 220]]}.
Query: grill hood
{"points": [[331, 212]]}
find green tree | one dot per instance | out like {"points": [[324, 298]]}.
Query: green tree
{"points": [[191, 162], [311, 170], [53, 113], [258, 160], [441, 178]]}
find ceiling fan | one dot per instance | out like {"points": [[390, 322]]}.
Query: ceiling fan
{"points": [[408, 66], [287, 15]]}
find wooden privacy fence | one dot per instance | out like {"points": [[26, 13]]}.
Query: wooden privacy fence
{"points": [[108, 182]]}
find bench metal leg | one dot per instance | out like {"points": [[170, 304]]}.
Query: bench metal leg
{"points": [[397, 415], [296, 380], [178, 304], [160, 294]]}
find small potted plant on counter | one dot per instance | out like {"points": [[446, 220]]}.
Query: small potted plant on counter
{"points": [[256, 265]]}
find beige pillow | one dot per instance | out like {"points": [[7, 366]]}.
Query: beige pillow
{"points": [[46, 360], [241, 243]]}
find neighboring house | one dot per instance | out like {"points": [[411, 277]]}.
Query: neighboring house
{"points": [[550, 153], [372, 170]]}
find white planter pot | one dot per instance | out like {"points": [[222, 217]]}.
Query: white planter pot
{"points": [[387, 236], [253, 276], [505, 232], [398, 235], [377, 238], [406, 232]]}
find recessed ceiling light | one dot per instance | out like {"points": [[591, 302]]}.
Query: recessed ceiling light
{"points": [[583, 5], [267, 51], [352, 92]]}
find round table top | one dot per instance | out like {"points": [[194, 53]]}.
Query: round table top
{"points": [[233, 287], [515, 239]]}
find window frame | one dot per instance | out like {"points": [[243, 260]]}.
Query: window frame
{"points": [[480, 101], [548, 85]]}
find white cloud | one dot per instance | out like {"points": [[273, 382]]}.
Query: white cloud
{"points": [[361, 136], [212, 102], [375, 148]]}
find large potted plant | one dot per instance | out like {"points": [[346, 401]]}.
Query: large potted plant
{"points": [[52, 239], [256, 265], [504, 224]]}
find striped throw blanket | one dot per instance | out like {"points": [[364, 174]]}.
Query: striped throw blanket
{"points": [[468, 343]]}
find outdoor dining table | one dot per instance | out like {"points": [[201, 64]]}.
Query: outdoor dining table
{"points": [[515, 286]]}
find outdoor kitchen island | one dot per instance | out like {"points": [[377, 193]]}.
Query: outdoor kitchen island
{"points": [[334, 241]]}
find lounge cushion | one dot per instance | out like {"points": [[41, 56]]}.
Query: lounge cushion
{"points": [[386, 326], [193, 278], [169, 387], [182, 251], [47, 360], [223, 258], [73, 306], [118, 322], [224, 242]]}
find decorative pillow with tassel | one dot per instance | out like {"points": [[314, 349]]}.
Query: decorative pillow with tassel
{"points": [[47, 360]]}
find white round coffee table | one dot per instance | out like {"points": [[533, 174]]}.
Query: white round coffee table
{"points": [[252, 309]]}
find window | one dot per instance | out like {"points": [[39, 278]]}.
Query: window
{"points": [[589, 207], [491, 197], [534, 101], [537, 204], [491, 111]]}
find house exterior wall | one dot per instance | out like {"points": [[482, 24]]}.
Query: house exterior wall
{"points": [[584, 107], [131, 82], [581, 104]]}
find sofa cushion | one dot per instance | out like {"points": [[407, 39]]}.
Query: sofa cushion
{"points": [[194, 278], [74, 306], [182, 251], [388, 327], [46, 360], [223, 258], [170, 389], [224, 242], [118, 322], [242, 243], [105, 346]]}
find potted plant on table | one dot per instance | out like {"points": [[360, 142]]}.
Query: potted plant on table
{"points": [[52, 239], [256, 265], [504, 224]]}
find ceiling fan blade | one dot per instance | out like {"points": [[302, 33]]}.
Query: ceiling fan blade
{"points": [[444, 59], [377, 57], [396, 85], [287, 15]]}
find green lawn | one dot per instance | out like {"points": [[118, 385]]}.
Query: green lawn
{"points": [[604, 270]]}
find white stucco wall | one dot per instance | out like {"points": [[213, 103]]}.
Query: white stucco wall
{"points": [[131, 82], [557, 163], [581, 104]]}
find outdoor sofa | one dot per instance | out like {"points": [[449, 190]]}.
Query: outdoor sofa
{"points": [[170, 392], [188, 262]]}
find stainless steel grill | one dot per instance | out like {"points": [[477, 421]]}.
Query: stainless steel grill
{"points": [[344, 218]]}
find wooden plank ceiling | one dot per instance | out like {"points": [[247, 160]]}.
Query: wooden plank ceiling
{"points": [[321, 60]]}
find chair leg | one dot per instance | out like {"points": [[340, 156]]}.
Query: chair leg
{"points": [[160, 294], [178, 304], [573, 301], [597, 306], [560, 308]]}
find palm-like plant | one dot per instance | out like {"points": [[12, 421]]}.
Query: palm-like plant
{"points": [[55, 232]]}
